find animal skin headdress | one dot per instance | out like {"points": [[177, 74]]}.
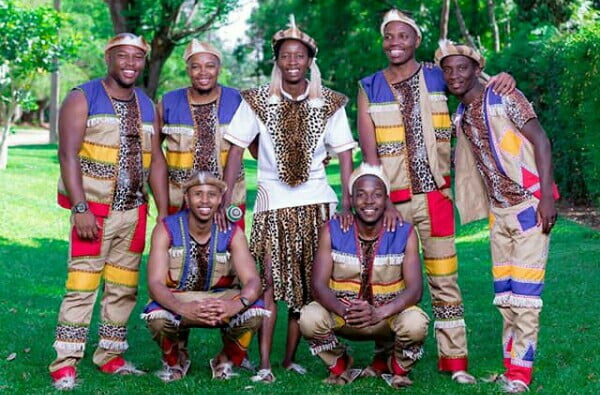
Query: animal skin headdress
{"points": [[394, 15], [127, 39], [448, 48], [293, 33], [204, 178], [197, 46]]}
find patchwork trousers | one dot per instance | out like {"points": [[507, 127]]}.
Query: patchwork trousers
{"points": [[432, 215], [115, 258], [519, 254], [398, 339]]}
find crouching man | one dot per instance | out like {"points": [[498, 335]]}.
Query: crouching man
{"points": [[366, 284], [193, 274]]}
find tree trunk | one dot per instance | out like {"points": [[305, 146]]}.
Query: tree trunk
{"points": [[116, 7], [54, 94], [462, 25], [445, 17], [155, 64], [494, 25], [4, 138], [166, 34]]}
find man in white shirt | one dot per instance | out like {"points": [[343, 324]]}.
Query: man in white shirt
{"points": [[297, 121]]}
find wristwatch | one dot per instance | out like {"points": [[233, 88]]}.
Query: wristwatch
{"points": [[80, 208], [245, 301]]}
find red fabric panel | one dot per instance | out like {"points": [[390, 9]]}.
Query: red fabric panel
{"points": [[87, 247], [380, 365], [234, 352], [138, 241], [340, 365], [113, 365], [67, 371], [224, 282], [400, 195], [446, 182], [441, 214], [452, 364], [99, 209], [396, 368], [170, 351], [519, 373]]}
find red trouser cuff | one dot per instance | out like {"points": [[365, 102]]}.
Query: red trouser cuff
{"points": [[340, 365], [380, 365], [396, 368], [519, 373], [452, 364], [67, 371], [234, 352], [113, 365], [170, 350]]}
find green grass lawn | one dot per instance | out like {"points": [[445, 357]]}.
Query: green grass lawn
{"points": [[33, 251]]}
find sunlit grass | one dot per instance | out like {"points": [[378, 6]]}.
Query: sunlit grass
{"points": [[33, 251]]}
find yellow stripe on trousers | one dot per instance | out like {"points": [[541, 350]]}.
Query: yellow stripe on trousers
{"points": [[81, 281], [518, 273], [441, 266], [117, 275]]}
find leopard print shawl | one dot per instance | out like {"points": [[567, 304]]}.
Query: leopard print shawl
{"points": [[295, 127]]}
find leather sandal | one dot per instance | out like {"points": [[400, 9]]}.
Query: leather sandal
{"points": [[222, 371], [173, 373], [263, 376], [397, 381], [463, 377]]}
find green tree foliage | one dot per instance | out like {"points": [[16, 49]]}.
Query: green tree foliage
{"points": [[29, 46], [540, 12], [347, 33], [166, 24], [553, 67], [561, 78]]}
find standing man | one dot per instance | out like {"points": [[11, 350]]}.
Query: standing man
{"points": [[296, 122], [503, 150], [108, 150], [404, 125], [193, 274], [194, 119], [367, 283]]}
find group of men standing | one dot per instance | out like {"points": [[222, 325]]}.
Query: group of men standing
{"points": [[354, 274]]}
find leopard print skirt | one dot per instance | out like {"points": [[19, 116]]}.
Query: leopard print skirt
{"points": [[289, 236]]}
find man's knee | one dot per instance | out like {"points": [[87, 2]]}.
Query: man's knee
{"points": [[253, 323], [411, 324], [158, 326], [314, 320]]}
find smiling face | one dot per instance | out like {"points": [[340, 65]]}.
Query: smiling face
{"points": [[293, 60], [400, 42], [125, 64], [369, 199], [203, 69], [203, 201], [460, 73]]}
